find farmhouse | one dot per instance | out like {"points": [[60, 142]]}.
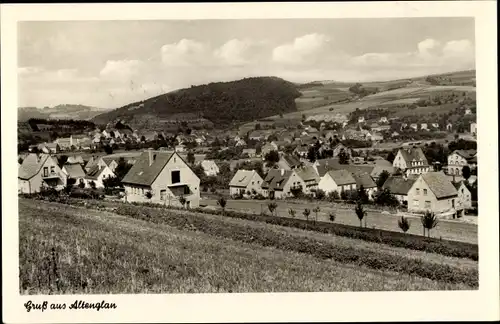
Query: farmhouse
{"points": [[40, 170], [279, 183], [432, 191], [411, 161], [166, 176], [337, 180], [245, 182], [460, 158], [399, 187], [464, 201]]}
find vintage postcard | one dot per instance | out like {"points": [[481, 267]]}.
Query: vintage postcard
{"points": [[250, 162]]}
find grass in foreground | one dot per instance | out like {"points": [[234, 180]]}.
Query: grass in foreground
{"points": [[99, 252]]}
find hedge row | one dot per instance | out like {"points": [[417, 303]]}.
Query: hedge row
{"points": [[265, 237], [397, 239]]}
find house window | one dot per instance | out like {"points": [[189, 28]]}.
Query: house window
{"points": [[45, 171], [462, 190], [453, 203], [417, 191], [176, 176], [425, 192], [52, 169], [415, 203], [187, 191], [162, 194], [427, 204]]}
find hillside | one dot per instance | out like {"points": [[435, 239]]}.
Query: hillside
{"points": [[221, 103], [66, 111], [321, 99]]}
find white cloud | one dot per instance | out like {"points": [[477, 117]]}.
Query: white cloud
{"points": [[429, 54], [304, 49], [29, 70], [121, 69], [235, 52], [186, 52], [462, 49]]}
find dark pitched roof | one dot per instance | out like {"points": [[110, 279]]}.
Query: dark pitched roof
{"points": [[342, 177], [142, 173], [410, 154], [94, 172], [439, 184], [399, 185], [467, 154], [276, 179], [74, 170], [291, 160], [325, 165], [308, 174], [364, 179]]}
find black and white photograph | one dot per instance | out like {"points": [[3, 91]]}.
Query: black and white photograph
{"points": [[237, 155]]}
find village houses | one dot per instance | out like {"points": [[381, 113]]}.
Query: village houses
{"points": [[210, 167], [337, 180], [399, 187], [279, 183], [411, 161], [460, 158], [162, 178], [97, 174], [288, 162], [245, 182], [74, 171], [40, 170], [464, 201], [433, 191]]}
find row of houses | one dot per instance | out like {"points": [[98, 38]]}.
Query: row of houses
{"points": [[39, 170]]}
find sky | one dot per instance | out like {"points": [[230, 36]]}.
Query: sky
{"points": [[109, 64]]}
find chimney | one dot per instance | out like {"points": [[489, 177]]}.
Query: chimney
{"points": [[150, 154]]}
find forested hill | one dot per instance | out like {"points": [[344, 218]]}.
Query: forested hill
{"points": [[221, 103]]}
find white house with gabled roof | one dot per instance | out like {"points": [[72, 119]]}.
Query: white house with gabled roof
{"points": [[166, 176]]}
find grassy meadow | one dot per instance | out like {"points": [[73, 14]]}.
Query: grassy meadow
{"points": [[69, 250]]}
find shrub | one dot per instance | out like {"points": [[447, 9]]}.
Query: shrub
{"points": [[429, 221], [306, 213], [316, 210], [333, 196], [332, 216], [222, 203], [320, 194], [361, 213], [291, 212], [404, 224], [272, 207], [148, 194]]}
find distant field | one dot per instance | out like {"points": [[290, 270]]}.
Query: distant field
{"points": [[394, 94], [100, 252], [404, 101], [425, 110]]}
